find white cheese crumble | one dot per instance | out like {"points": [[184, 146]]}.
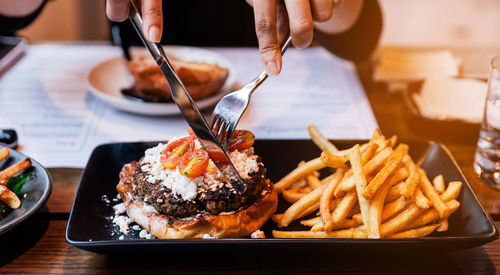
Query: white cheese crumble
{"points": [[117, 198], [119, 208], [151, 163], [145, 235], [182, 185], [206, 236], [244, 161], [121, 237], [258, 234], [105, 199], [136, 227], [122, 222]]}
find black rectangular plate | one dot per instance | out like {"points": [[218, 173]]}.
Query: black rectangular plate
{"points": [[89, 226]]}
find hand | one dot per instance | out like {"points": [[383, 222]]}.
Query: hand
{"points": [[273, 19], [152, 16]]}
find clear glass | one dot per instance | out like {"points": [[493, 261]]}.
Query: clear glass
{"points": [[487, 157]]}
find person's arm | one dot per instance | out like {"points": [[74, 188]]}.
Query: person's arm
{"points": [[17, 14], [349, 35]]}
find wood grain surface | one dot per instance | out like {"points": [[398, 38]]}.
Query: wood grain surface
{"points": [[51, 253], [39, 245]]}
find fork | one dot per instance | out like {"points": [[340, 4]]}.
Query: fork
{"points": [[231, 107]]}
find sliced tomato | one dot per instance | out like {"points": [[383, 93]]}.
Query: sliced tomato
{"points": [[191, 132], [176, 151], [241, 140], [216, 154], [194, 164]]}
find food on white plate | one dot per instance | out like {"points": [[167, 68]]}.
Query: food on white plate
{"points": [[10, 184], [176, 191], [376, 191], [200, 79]]}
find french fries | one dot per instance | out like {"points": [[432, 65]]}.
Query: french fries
{"points": [[327, 196], [415, 233], [372, 165], [432, 194], [298, 173], [375, 192], [320, 140], [7, 196], [392, 208], [11, 171], [412, 180], [313, 181], [420, 200], [438, 184], [360, 181], [334, 161], [386, 171], [4, 153], [293, 195]]}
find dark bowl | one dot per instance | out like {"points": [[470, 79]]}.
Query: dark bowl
{"points": [[33, 195]]}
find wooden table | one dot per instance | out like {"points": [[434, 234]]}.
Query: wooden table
{"points": [[39, 246]]}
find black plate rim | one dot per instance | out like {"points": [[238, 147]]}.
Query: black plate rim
{"points": [[484, 238], [494, 234], [43, 199]]}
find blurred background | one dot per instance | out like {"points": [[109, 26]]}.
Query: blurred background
{"points": [[406, 23]]}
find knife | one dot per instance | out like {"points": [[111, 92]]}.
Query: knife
{"points": [[187, 106]]}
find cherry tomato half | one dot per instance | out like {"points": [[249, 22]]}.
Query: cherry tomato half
{"points": [[194, 164], [176, 151], [241, 140], [215, 154], [191, 132]]}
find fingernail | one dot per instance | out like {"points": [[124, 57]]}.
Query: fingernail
{"points": [[272, 67], [154, 34]]}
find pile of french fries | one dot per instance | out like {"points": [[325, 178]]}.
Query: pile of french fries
{"points": [[376, 191], [6, 195]]}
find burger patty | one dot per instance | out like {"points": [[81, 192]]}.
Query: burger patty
{"points": [[224, 199]]}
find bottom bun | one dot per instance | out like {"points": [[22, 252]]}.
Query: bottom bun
{"points": [[234, 224]]}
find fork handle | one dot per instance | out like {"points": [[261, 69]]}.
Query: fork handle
{"points": [[263, 75]]}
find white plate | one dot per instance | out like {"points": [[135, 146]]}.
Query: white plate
{"points": [[108, 78]]}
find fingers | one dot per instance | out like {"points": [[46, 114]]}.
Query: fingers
{"points": [[282, 22], [301, 22], [265, 27], [321, 10], [152, 17], [117, 10]]}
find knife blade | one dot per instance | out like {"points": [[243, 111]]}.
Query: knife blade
{"points": [[187, 106]]}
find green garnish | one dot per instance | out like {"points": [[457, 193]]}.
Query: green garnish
{"points": [[15, 184]]}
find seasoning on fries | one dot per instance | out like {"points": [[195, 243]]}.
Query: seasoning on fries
{"points": [[376, 191]]}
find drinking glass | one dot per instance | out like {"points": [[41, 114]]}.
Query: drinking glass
{"points": [[487, 157]]}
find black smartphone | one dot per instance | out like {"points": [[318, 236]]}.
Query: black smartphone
{"points": [[11, 49]]}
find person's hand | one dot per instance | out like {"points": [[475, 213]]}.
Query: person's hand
{"points": [[273, 20], [152, 16]]}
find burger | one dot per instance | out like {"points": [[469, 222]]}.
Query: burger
{"points": [[200, 79], [176, 191]]}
